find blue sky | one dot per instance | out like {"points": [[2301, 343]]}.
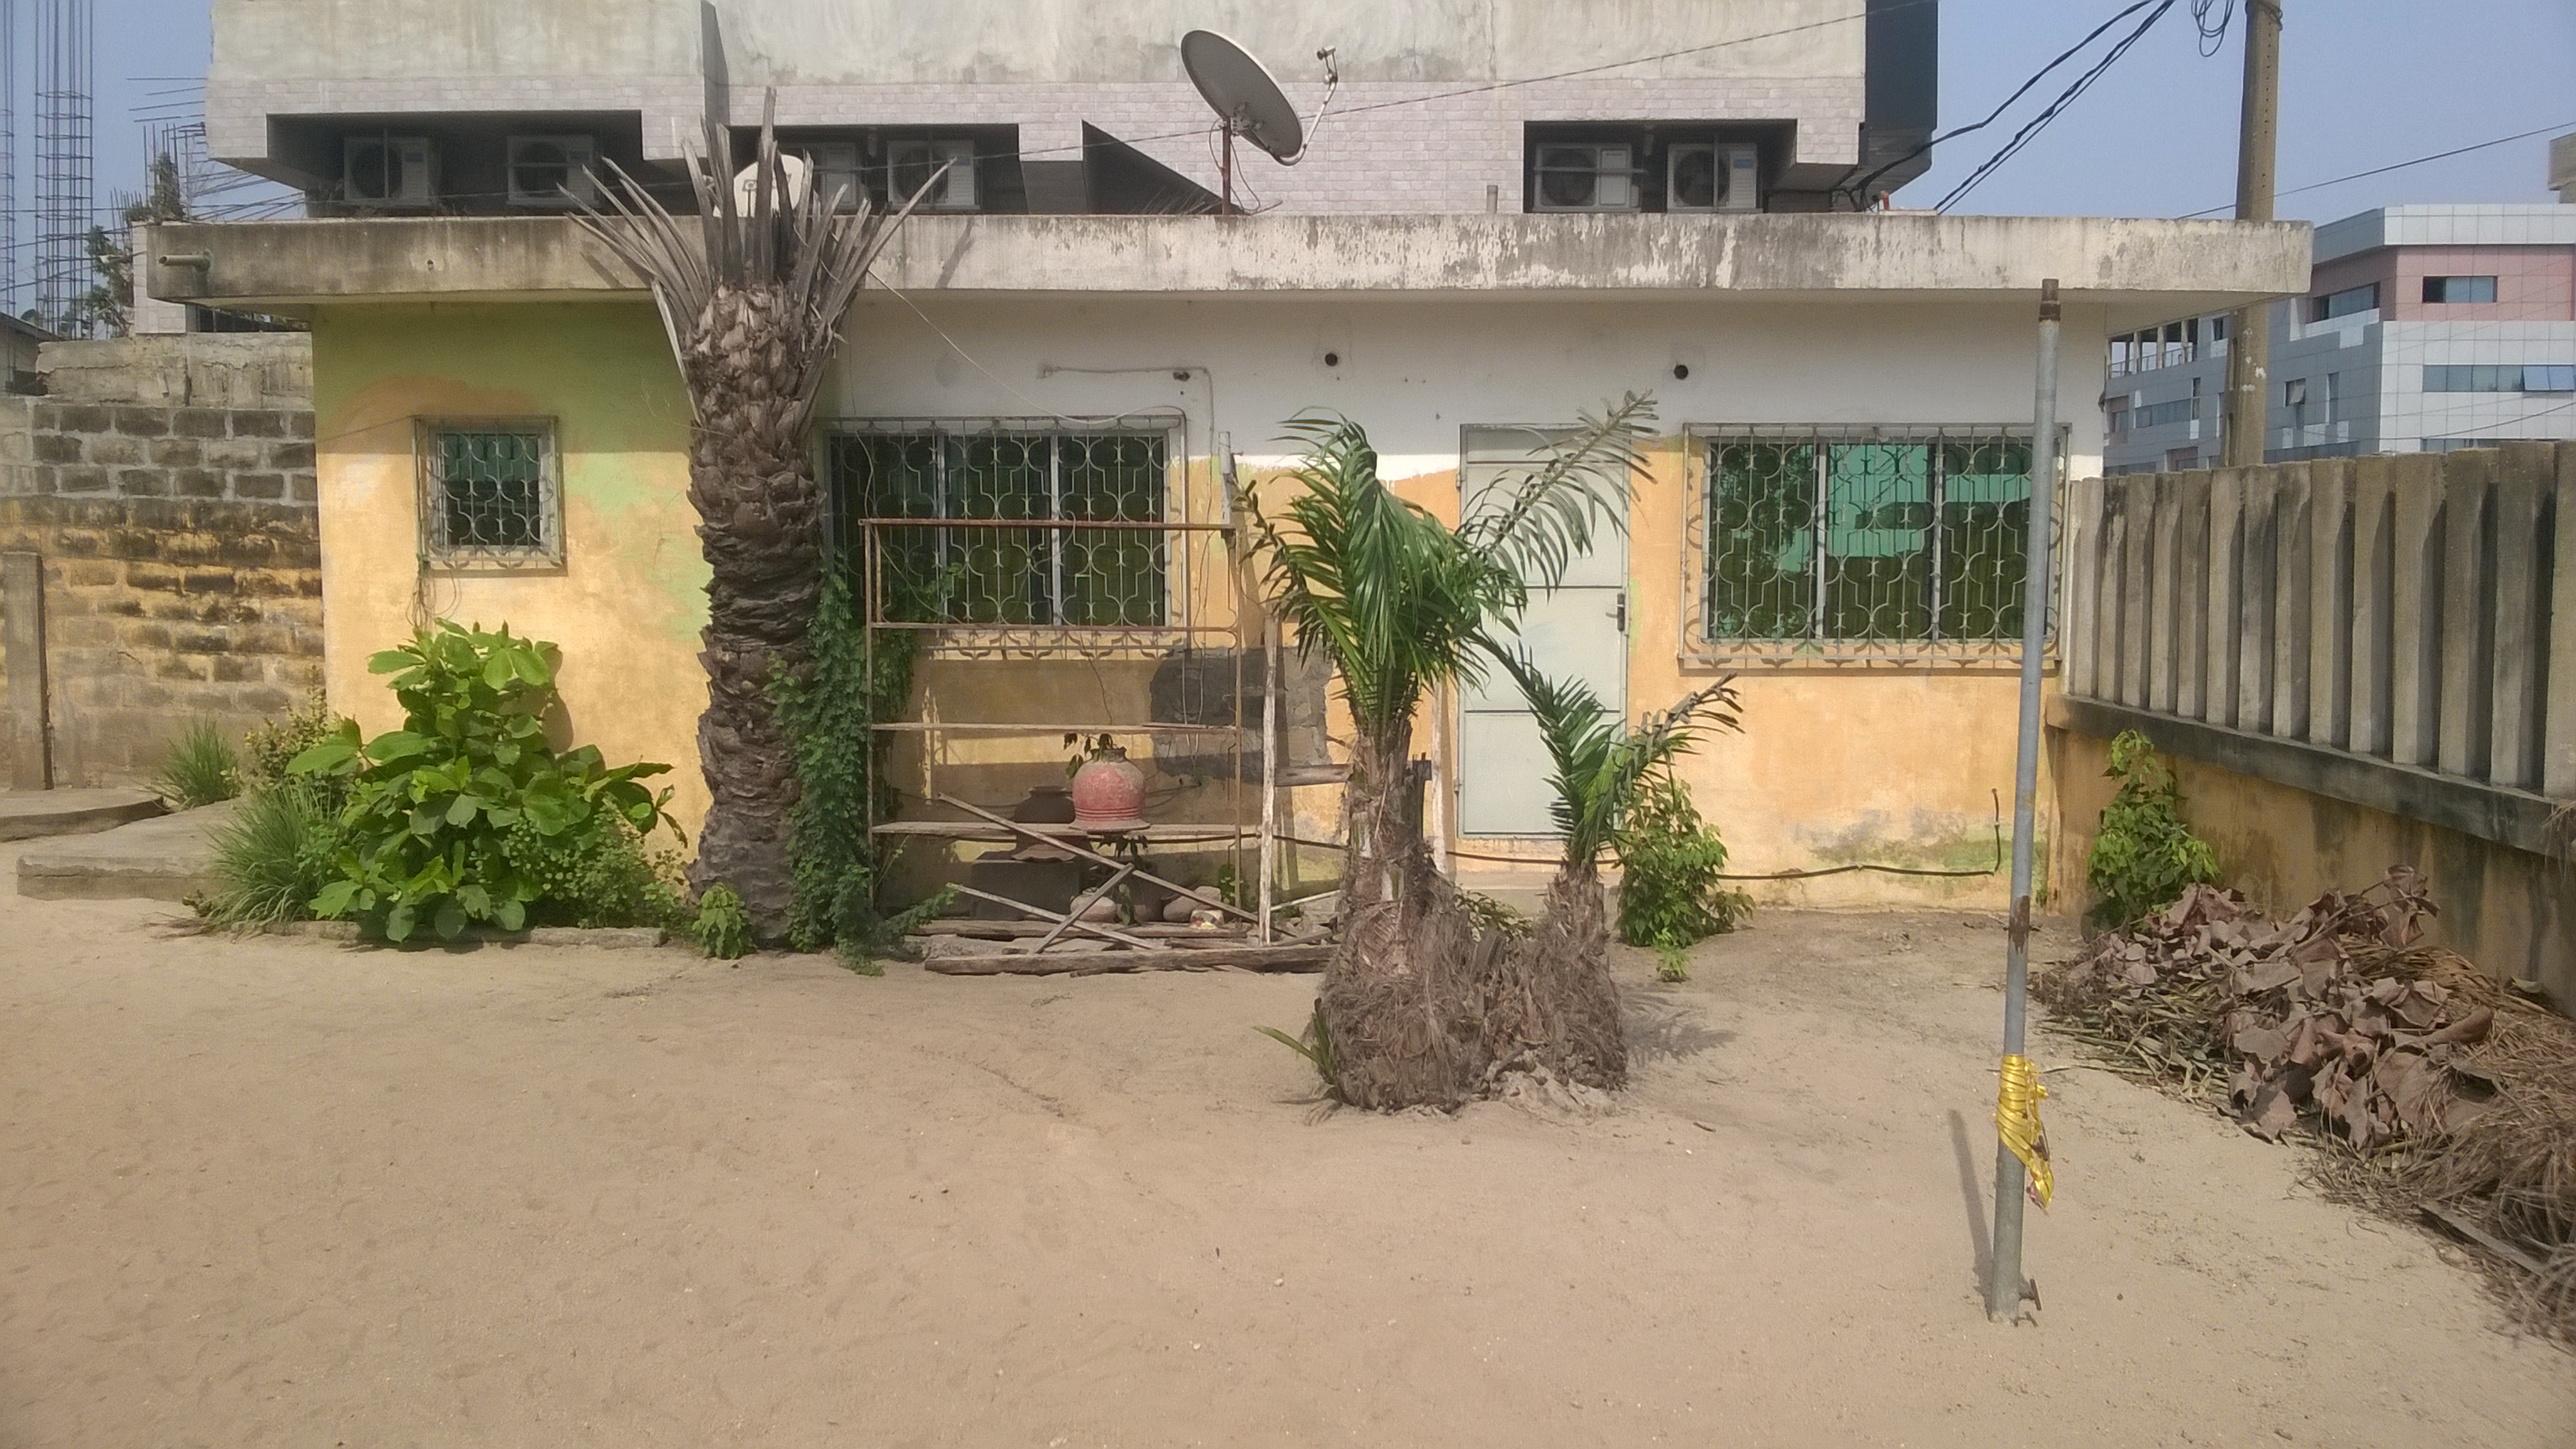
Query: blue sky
{"points": [[2364, 83]]}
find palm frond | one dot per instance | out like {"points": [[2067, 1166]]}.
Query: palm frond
{"points": [[1599, 761], [1539, 521]]}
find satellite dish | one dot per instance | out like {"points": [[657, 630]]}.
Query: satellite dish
{"points": [[793, 176], [1243, 95]]}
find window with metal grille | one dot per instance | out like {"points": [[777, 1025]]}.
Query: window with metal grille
{"points": [[1887, 538], [489, 494], [1020, 526]]}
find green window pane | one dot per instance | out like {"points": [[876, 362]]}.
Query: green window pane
{"points": [[1878, 535], [1985, 537], [1762, 541], [491, 491]]}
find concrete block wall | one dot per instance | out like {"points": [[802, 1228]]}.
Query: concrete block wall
{"points": [[177, 550], [2367, 655]]}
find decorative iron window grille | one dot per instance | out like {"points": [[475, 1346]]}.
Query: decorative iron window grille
{"points": [[490, 494], [1026, 526], [1868, 543]]}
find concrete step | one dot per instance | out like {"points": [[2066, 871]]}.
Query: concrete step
{"points": [[168, 858], [29, 814]]}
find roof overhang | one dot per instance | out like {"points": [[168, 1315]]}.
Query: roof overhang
{"points": [[2141, 270]]}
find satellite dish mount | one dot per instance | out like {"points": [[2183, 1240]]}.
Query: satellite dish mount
{"points": [[1248, 103]]}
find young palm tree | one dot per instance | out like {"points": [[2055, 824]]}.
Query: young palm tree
{"points": [[1400, 603], [752, 291], [1600, 764]]}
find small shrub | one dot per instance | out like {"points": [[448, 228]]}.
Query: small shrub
{"points": [[1671, 861], [1316, 1046], [2144, 855], [722, 930], [1490, 915], [201, 768], [274, 744], [273, 858], [598, 873], [1672, 964], [433, 806]]}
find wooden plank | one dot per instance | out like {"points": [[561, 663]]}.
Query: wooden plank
{"points": [[978, 830], [968, 926], [1044, 914], [1101, 963], [22, 635], [1089, 854]]}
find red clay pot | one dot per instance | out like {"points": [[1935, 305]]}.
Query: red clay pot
{"points": [[1109, 794]]}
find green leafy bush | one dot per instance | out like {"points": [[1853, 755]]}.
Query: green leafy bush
{"points": [[1672, 964], [273, 857], [2144, 855], [1670, 891], [201, 768], [723, 931], [433, 806]]}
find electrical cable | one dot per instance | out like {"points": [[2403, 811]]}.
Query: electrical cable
{"points": [[1854, 189], [2054, 109], [2392, 166]]}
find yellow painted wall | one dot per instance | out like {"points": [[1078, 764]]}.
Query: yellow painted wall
{"points": [[630, 598], [1897, 764]]}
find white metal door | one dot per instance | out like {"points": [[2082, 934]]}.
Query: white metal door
{"points": [[1579, 630]]}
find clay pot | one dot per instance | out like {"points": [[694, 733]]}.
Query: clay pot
{"points": [[1043, 805], [1109, 794]]}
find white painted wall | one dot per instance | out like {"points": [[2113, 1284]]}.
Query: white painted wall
{"points": [[1414, 373]]}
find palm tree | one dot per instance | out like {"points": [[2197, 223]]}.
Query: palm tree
{"points": [[1600, 765], [1402, 603], [752, 291]]}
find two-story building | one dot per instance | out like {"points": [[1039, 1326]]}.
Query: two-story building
{"points": [[1508, 214]]}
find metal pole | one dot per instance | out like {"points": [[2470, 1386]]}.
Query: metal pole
{"points": [[2004, 1283], [1269, 766], [2249, 332]]}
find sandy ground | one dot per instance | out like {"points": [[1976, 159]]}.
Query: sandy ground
{"points": [[274, 1192]]}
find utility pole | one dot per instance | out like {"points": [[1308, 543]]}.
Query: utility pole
{"points": [[2249, 334], [2016, 1100]]}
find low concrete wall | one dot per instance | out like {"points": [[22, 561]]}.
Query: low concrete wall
{"points": [[159, 509], [2512, 911]]}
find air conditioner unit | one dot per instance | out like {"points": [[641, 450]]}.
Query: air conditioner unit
{"points": [[551, 171], [1712, 176], [911, 164], [1568, 176], [388, 171], [835, 172]]}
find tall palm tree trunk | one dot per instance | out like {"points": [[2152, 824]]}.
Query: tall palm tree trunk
{"points": [[751, 477], [752, 291]]}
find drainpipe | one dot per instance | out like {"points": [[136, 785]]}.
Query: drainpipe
{"points": [[2004, 1282]]}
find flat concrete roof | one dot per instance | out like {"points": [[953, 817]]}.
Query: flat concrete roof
{"points": [[2143, 269]]}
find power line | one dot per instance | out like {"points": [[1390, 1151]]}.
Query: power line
{"points": [[2057, 107], [2069, 53], [2395, 166]]}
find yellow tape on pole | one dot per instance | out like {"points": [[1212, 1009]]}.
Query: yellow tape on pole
{"points": [[2017, 1099]]}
